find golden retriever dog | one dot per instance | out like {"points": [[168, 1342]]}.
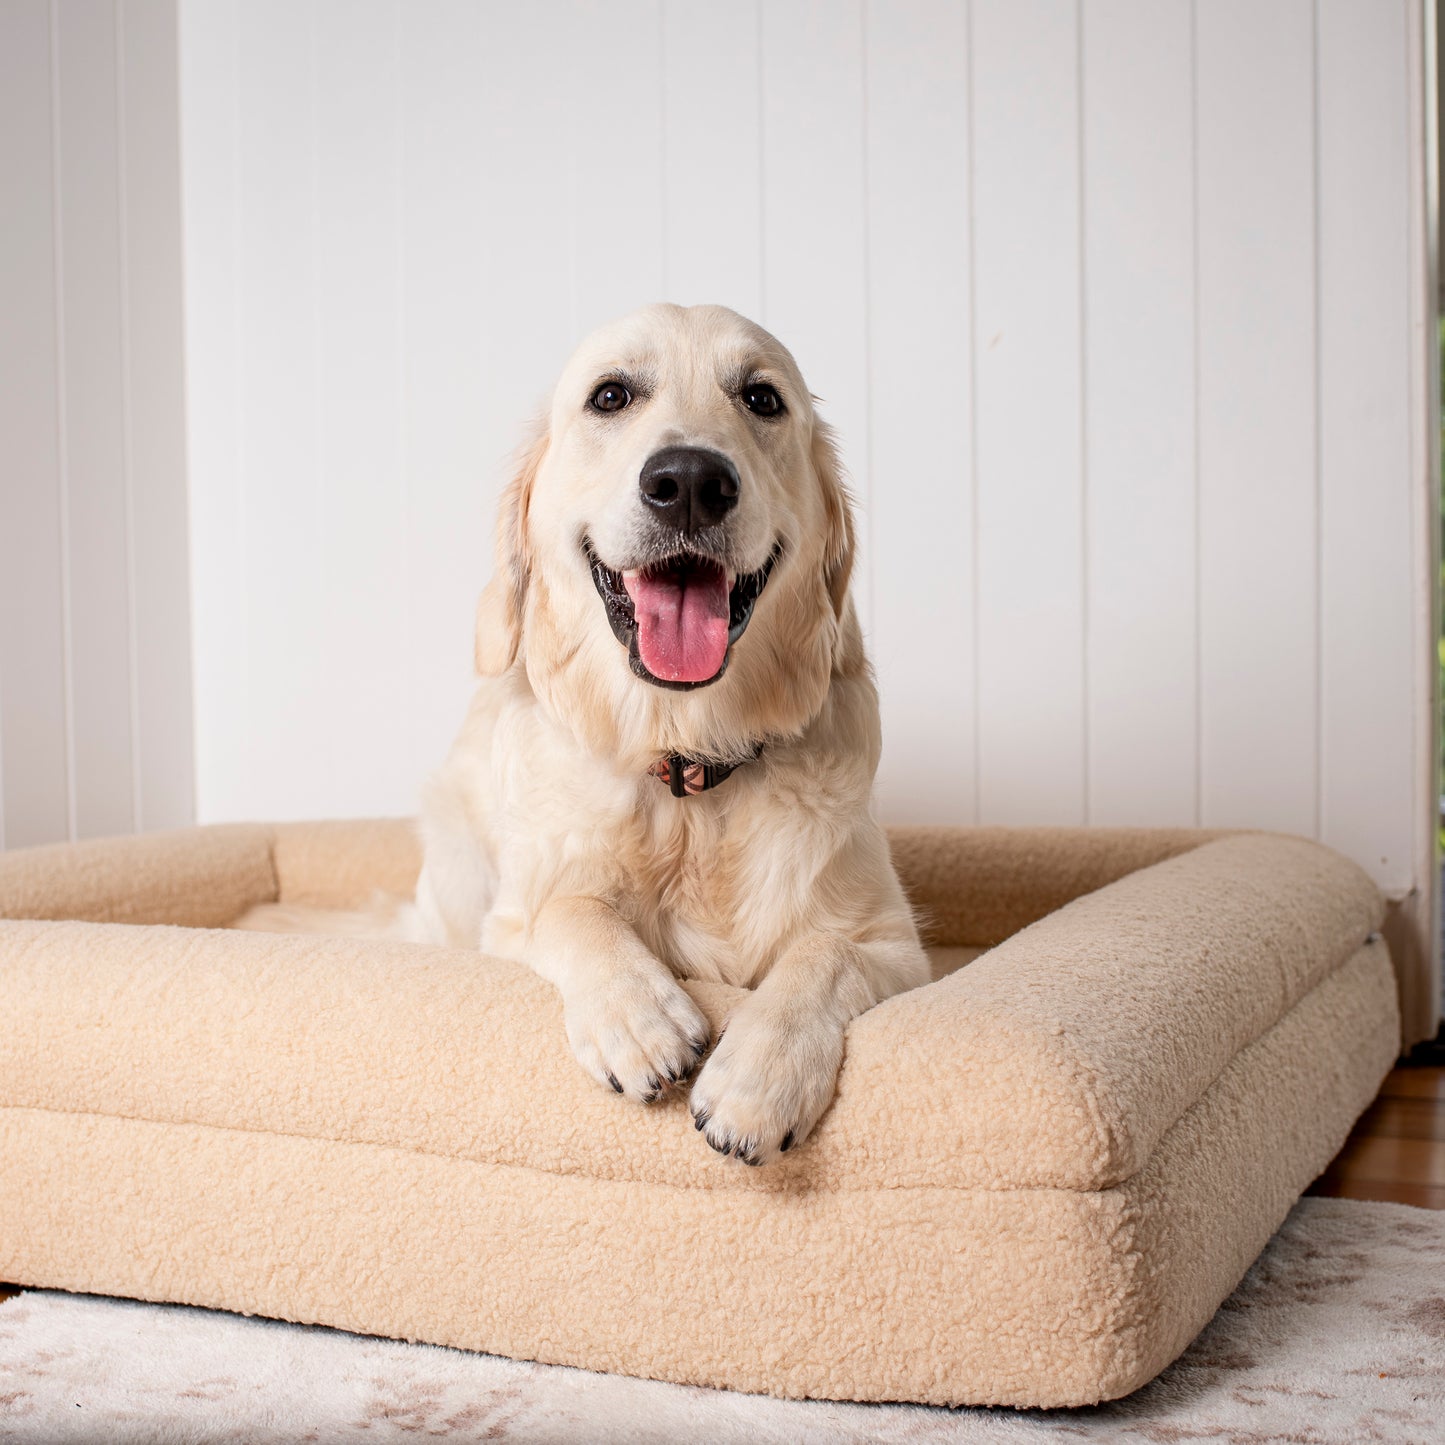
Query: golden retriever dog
{"points": [[666, 770]]}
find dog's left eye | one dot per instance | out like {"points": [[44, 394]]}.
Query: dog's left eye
{"points": [[610, 396], [763, 400]]}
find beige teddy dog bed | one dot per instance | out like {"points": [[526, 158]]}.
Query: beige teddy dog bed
{"points": [[1040, 1177]]}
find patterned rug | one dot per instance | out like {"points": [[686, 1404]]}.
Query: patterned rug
{"points": [[1336, 1335]]}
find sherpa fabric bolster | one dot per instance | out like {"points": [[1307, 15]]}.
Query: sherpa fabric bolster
{"points": [[1057, 1060]]}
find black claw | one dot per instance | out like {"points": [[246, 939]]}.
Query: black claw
{"points": [[649, 1098], [750, 1159], [612, 1079], [673, 1076], [787, 1142], [699, 1047], [699, 1121]]}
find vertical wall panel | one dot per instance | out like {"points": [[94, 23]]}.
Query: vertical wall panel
{"points": [[361, 514], [285, 669], [96, 481], [523, 187], [226, 775], [34, 789], [451, 464], [1026, 286], [156, 406], [921, 418], [712, 192], [1367, 637], [1138, 269], [813, 242], [1259, 660], [616, 158]]}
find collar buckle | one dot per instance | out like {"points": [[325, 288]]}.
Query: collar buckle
{"points": [[687, 777]]}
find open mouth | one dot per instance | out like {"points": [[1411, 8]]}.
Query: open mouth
{"points": [[679, 618]]}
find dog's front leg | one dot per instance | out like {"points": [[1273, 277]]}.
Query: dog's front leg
{"points": [[629, 1022], [776, 1064]]}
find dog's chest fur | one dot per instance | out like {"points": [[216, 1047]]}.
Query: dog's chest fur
{"points": [[686, 874], [716, 885], [696, 877], [681, 867]]}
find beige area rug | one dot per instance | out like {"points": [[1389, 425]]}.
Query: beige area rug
{"points": [[1336, 1335]]}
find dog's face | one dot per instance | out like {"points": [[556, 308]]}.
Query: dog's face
{"points": [[673, 557]]}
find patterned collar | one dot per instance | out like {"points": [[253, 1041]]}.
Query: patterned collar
{"points": [[687, 777]]}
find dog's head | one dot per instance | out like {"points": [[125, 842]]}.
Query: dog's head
{"points": [[673, 554]]}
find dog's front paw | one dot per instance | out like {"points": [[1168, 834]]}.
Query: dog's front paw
{"points": [[767, 1083], [636, 1032]]}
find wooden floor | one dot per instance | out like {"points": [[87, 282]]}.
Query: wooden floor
{"points": [[1396, 1152]]}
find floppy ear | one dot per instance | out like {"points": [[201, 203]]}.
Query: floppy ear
{"points": [[499, 610], [838, 514]]}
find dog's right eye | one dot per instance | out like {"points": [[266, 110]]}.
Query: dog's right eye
{"points": [[610, 396]]}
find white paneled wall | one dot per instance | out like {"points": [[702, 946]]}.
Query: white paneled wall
{"points": [[95, 689], [1119, 306]]}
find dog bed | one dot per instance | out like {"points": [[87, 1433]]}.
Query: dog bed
{"points": [[1041, 1174]]}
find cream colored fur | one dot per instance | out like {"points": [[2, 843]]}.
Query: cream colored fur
{"points": [[546, 839]]}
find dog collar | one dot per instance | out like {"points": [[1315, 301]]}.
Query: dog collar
{"points": [[687, 777]]}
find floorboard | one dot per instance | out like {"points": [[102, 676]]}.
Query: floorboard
{"points": [[1396, 1152]]}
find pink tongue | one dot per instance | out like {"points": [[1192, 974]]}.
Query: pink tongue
{"points": [[682, 622]]}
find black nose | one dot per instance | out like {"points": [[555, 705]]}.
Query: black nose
{"points": [[691, 487]]}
